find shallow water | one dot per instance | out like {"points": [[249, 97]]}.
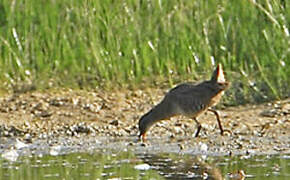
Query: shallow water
{"points": [[103, 164]]}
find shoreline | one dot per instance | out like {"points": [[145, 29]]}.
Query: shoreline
{"points": [[88, 117]]}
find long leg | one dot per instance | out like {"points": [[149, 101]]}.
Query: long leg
{"points": [[198, 127], [218, 120]]}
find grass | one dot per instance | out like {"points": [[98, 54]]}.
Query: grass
{"points": [[88, 44]]}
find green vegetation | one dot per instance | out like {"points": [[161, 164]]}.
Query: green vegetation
{"points": [[76, 43]]}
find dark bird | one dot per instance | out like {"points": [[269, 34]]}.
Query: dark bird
{"points": [[188, 99]]}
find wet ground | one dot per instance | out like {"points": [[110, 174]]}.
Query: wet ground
{"points": [[62, 122], [85, 115]]}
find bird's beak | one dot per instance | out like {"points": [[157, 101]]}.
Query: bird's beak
{"points": [[142, 137]]}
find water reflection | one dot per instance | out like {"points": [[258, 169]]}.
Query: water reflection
{"points": [[127, 165], [187, 166], [172, 167]]}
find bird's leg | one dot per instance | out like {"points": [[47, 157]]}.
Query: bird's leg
{"points": [[219, 121], [198, 127]]}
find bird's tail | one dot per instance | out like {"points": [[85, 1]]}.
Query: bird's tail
{"points": [[218, 75]]}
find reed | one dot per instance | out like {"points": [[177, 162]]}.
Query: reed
{"points": [[76, 43]]}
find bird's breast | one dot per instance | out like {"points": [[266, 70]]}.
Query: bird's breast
{"points": [[215, 99]]}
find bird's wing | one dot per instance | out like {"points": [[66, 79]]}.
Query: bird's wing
{"points": [[191, 90], [190, 98], [182, 87]]}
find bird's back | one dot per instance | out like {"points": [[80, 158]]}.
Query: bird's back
{"points": [[192, 99]]}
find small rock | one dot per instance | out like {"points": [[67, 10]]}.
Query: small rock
{"points": [[203, 147], [114, 122], [181, 146], [10, 155], [144, 144], [55, 150], [286, 109], [20, 145], [27, 138], [269, 113], [131, 144], [142, 167]]}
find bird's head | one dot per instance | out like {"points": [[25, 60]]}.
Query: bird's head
{"points": [[144, 125]]}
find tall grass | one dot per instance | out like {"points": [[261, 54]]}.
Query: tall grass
{"points": [[96, 43]]}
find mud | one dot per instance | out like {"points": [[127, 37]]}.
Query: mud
{"points": [[61, 121]]}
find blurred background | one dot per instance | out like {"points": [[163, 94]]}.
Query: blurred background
{"points": [[136, 44]]}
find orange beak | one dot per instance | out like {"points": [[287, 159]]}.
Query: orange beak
{"points": [[142, 137]]}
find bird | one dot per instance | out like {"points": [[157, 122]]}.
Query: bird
{"points": [[188, 99]]}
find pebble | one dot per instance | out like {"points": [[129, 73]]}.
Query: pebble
{"points": [[20, 145], [142, 167], [10, 155]]}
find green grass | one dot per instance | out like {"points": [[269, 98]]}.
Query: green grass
{"points": [[102, 43]]}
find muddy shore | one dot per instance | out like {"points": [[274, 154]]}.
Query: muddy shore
{"points": [[85, 120]]}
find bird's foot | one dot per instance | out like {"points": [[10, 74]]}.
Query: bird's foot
{"points": [[226, 131]]}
